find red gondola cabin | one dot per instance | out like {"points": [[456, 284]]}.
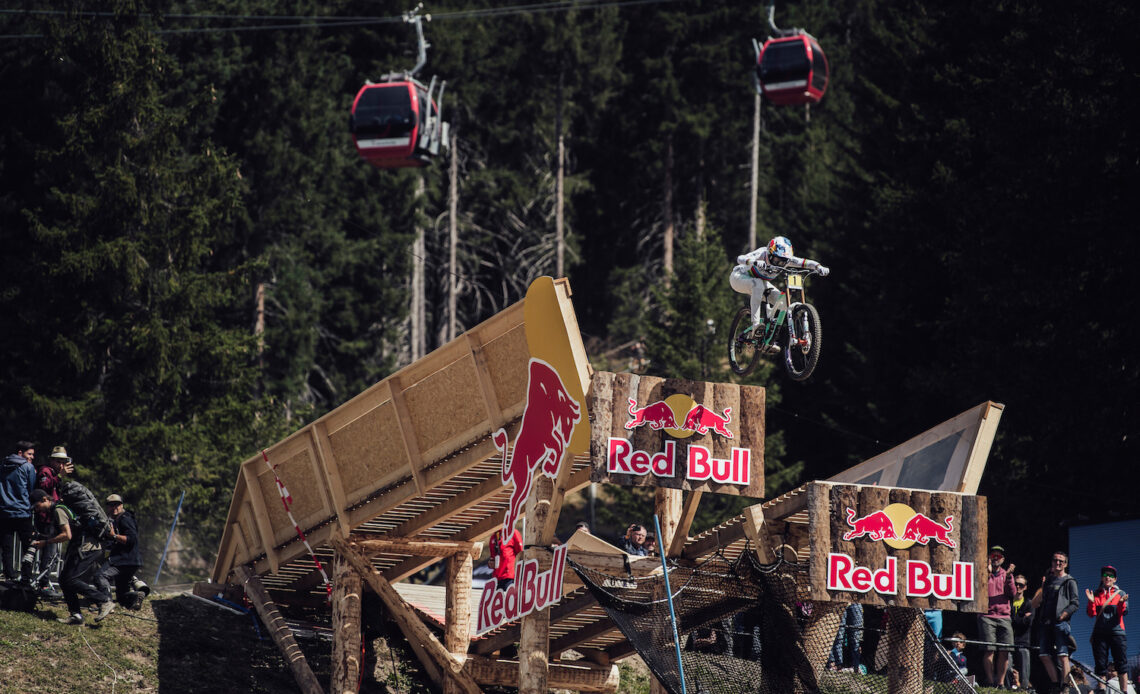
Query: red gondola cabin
{"points": [[388, 121], [792, 70]]}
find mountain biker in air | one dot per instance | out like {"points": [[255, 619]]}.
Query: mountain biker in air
{"points": [[754, 272]]}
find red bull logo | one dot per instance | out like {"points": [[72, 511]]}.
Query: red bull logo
{"points": [[680, 416], [548, 422], [900, 526]]}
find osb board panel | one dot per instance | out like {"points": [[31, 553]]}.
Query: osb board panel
{"points": [[869, 525], [299, 477], [674, 414], [369, 452], [507, 357], [446, 405]]}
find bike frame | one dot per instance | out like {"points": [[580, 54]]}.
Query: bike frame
{"points": [[792, 295]]}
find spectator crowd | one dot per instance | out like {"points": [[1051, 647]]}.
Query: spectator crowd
{"points": [[54, 532]]}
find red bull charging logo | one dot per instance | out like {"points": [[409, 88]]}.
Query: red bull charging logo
{"points": [[900, 526], [548, 422], [680, 416]]}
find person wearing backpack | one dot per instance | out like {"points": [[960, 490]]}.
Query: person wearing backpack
{"points": [[124, 560], [82, 572], [47, 479]]}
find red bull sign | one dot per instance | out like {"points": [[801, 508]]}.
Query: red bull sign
{"points": [[532, 590], [649, 431], [896, 546]]}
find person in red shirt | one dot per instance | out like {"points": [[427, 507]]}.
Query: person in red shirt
{"points": [[503, 557], [1108, 607]]}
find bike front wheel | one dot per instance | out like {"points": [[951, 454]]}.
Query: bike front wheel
{"points": [[802, 354], [742, 351]]}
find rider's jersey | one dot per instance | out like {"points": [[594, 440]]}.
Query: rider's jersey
{"points": [[758, 266]]}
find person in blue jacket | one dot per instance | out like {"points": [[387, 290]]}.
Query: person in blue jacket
{"points": [[17, 480]]}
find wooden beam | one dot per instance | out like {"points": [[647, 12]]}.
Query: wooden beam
{"points": [[370, 547], [577, 676], [755, 530], [279, 631], [457, 612], [721, 536], [346, 662], [787, 504], [486, 387], [407, 433], [328, 469], [684, 523], [261, 517], [414, 630]]}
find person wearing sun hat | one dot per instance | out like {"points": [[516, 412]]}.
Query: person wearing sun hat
{"points": [[1108, 606], [48, 479]]}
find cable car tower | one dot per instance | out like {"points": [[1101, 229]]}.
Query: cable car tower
{"points": [[791, 68], [396, 122]]}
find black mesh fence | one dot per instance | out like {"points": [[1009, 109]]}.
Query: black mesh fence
{"points": [[751, 628]]}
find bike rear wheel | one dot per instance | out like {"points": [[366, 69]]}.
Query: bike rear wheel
{"points": [[742, 351], [802, 355]]}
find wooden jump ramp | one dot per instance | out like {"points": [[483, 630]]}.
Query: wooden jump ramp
{"points": [[407, 474]]}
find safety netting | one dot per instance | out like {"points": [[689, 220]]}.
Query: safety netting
{"points": [[745, 627]]}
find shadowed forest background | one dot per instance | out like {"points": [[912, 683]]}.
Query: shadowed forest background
{"points": [[196, 261]]}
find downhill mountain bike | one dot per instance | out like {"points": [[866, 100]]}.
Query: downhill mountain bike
{"points": [[791, 329]]}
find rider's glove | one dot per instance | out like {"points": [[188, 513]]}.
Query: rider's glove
{"points": [[823, 271]]}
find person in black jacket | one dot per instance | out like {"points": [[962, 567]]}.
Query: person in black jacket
{"points": [[124, 560], [1022, 617], [1055, 603]]}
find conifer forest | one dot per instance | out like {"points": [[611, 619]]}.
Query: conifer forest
{"points": [[196, 261]]}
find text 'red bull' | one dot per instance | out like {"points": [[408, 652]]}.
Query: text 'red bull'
{"points": [[623, 458], [921, 580], [531, 591]]}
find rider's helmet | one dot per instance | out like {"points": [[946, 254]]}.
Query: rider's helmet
{"points": [[779, 250]]}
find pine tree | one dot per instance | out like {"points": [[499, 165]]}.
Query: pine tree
{"points": [[134, 351]]}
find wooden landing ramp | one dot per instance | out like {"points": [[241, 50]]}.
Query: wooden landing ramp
{"points": [[410, 456]]}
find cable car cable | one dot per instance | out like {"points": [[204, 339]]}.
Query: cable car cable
{"points": [[353, 21]]}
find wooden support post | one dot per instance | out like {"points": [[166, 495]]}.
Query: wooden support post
{"points": [[534, 631], [904, 640], [819, 635], [279, 631], [688, 512], [422, 640], [346, 661], [457, 612], [578, 676]]}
